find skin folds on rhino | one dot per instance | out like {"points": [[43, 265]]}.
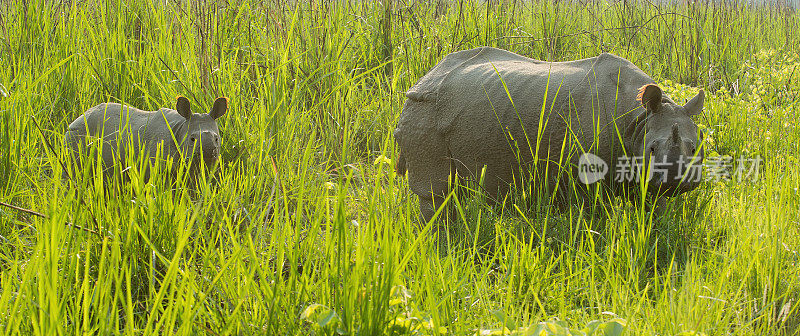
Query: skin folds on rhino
{"points": [[513, 115], [179, 134]]}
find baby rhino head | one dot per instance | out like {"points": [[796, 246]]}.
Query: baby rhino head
{"points": [[202, 140]]}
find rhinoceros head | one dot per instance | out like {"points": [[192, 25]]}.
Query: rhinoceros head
{"points": [[202, 139], [669, 141]]}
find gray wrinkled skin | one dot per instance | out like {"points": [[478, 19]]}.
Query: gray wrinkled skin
{"points": [[179, 133], [461, 116]]}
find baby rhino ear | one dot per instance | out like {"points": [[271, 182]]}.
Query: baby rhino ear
{"points": [[183, 107], [650, 97], [220, 107]]}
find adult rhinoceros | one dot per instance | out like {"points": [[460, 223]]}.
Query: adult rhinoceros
{"points": [[491, 108]]}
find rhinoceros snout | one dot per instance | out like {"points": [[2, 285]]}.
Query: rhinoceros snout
{"points": [[206, 147], [676, 168], [675, 164]]}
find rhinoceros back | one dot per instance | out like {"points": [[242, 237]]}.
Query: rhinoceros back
{"points": [[440, 85], [120, 126], [493, 86], [427, 88]]}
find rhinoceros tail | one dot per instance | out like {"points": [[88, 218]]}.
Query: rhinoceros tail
{"points": [[400, 168]]}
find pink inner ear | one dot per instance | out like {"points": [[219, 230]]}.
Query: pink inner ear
{"points": [[643, 91], [640, 96]]}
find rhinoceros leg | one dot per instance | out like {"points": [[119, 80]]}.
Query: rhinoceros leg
{"points": [[428, 169], [75, 143]]}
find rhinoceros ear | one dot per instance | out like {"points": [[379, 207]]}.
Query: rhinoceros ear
{"points": [[220, 107], [695, 105], [183, 107], [650, 97]]}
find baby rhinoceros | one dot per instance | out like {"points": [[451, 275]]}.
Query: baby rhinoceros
{"points": [[179, 134]]}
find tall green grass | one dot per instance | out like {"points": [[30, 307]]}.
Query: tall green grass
{"points": [[306, 229]]}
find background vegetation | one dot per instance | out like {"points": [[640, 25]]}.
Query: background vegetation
{"points": [[306, 228]]}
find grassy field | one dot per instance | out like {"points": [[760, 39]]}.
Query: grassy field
{"points": [[306, 229]]}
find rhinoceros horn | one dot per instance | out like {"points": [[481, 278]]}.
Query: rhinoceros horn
{"points": [[676, 135]]}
